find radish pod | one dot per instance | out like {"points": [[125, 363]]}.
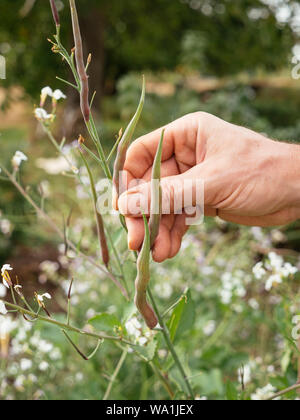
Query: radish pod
{"points": [[142, 281], [156, 194]]}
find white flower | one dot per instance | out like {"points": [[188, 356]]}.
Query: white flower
{"points": [[40, 299], [142, 341], [164, 290], [19, 382], [25, 364], [244, 374], [45, 295], [276, 261], [18, 158], [3, 310], [259, 271], [42, 115], [44, 366], [5, 226], [57, 95], [7, 325], [46, 91], [53, 166], [274, 279], [253, 304], [134, 327], [209, 328], [263, 393], [3, 291], [288, 270], [5, 276], [18, 289], [226, 296], [5, 267], [44, 346]]}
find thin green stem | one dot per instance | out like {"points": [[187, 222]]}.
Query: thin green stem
{"points": [[163, 380], [113, 150], [60, 233], [99, 219], [118, 259], [169, 343], [13, 295], [285, 391], [115, 374], [67, 327], [67, 83], [167, 311], [91, 154]]}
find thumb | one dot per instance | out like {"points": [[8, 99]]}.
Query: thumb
{"points": [[178, 192]]}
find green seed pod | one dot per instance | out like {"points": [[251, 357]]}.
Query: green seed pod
{"points": [[126, 140], [98, 216], [142, 280], [156, 194]]}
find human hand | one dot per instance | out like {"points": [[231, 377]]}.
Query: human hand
{"points": [[248, 178]]}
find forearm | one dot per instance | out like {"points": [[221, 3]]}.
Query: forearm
{"points": [[293, 174]]}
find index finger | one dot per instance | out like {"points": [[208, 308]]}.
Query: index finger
{"points": [[180, 139]]}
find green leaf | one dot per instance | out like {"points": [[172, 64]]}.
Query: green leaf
{"points": [[105, 322], [285, 361], [231, 392], [182, 318], [148, 351], [210, 383]]}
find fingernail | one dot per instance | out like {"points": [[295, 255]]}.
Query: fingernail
{"points": [[131, 204], [115, 200]]}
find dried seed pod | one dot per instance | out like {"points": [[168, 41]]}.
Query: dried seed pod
{"points": [[55, 12], [156, 194], [84, 92], [142, 280], [125, 142]]}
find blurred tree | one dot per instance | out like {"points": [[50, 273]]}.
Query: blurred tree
{"points": [[217, 37]]}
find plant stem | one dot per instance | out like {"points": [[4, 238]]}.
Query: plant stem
{"points": [[118, 259], [98, 216], [115, 374], [67, 327], [169, 343], [285, 391], [163, 380], [60, 233]]}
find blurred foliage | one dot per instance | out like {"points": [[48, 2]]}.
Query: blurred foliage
{"points": [[216, 37]]}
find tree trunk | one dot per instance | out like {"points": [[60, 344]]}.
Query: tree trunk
{"points": [[93, 32]]}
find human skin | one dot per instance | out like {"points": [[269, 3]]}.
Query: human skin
{"points": [[248, 178]]}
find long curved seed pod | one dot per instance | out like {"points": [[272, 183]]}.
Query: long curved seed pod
{"points": [[84, 91], [126, 140], [156, 194], [142, 280], [55, 12], [99, 219]]}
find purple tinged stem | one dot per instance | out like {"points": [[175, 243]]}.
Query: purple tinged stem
{"points": [[84, 91], [55, 12]]}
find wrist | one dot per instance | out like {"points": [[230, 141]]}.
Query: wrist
{"points": [[293, 174]]}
